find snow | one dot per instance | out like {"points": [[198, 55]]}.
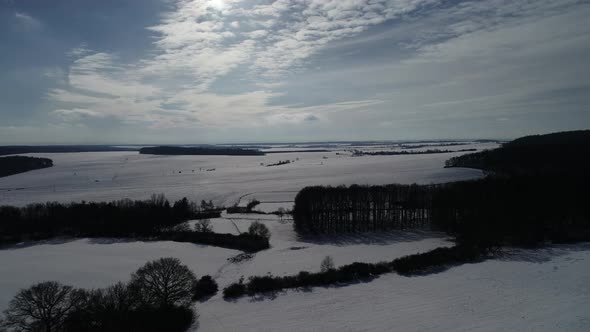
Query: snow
{"points": [[523, 290], [104, 176], [547, 291], [94, 263]]}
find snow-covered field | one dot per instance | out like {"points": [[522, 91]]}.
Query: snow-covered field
{"points": [[544, 290], [103, 176], [523, 290]]}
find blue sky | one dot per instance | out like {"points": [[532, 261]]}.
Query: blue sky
{"points": [[212, 71]]}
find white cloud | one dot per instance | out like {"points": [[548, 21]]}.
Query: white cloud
{"points": [[455, 55], [27, 20]]}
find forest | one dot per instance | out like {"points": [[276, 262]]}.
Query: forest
{"points": [[557, 153], [200, 151], [19, 164], [19, 149], [153, 219], [359, 153], [522, 201]]}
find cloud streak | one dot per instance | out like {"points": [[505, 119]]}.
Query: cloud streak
{"points": [[221, 64]]}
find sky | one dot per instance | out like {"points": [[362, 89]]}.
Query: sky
{"points": [[225, 71]]}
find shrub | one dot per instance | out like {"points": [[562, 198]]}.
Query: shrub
{"points": [[355, 271], [205, 287], [259, 229], [203, 226], [263, 284], [252, 204], [235, 290], [435, 258]]}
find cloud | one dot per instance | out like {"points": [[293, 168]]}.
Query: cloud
{"points": [[237, 64], [27, 20]]}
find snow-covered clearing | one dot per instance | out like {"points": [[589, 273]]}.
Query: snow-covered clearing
{"points": [[525, 290], [103, 176], [545, 290]]}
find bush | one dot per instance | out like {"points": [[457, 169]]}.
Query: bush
{"points": [[203, 226], [436, 258], [263, 284], [252, 204], [356, 271], [235, 290], [205, 287], [259, 229]]}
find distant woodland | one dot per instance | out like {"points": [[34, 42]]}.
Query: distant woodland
{"points": [[537, 191], [200, 151], [358, 153], [20, 149], [558, 154], [19, 164]]}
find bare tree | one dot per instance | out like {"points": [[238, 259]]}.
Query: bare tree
{"points": [[327, 264], [203, 226], [42, 307], [164, 282]]}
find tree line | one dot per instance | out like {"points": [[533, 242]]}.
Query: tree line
{"points": [[427, 262], [536, 191], [19, 164], [522, 210], [20, 149], [153, 219], [204, 151], [362, 208]]}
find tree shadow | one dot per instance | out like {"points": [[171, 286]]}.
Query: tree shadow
{"points": [[114, 240], [373, 238], [540, 255], [32, 243]]}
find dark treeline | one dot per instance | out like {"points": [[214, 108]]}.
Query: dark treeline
{"points": [[358, 153], [120, 218], [19, 149], [154, 219], [244, 241], [537, 192], [362, 208], [297, 151], [557, 154], [431, 261], [523, 210], [244, 209], [204, 151], [279, 163], [19, 164]]}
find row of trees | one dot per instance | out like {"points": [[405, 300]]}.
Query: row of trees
{"points": [[19, 164], [159, 297], [491, 211], [362, 208], [200, 151], [154, 219], [430, 261], [122, 218]]}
